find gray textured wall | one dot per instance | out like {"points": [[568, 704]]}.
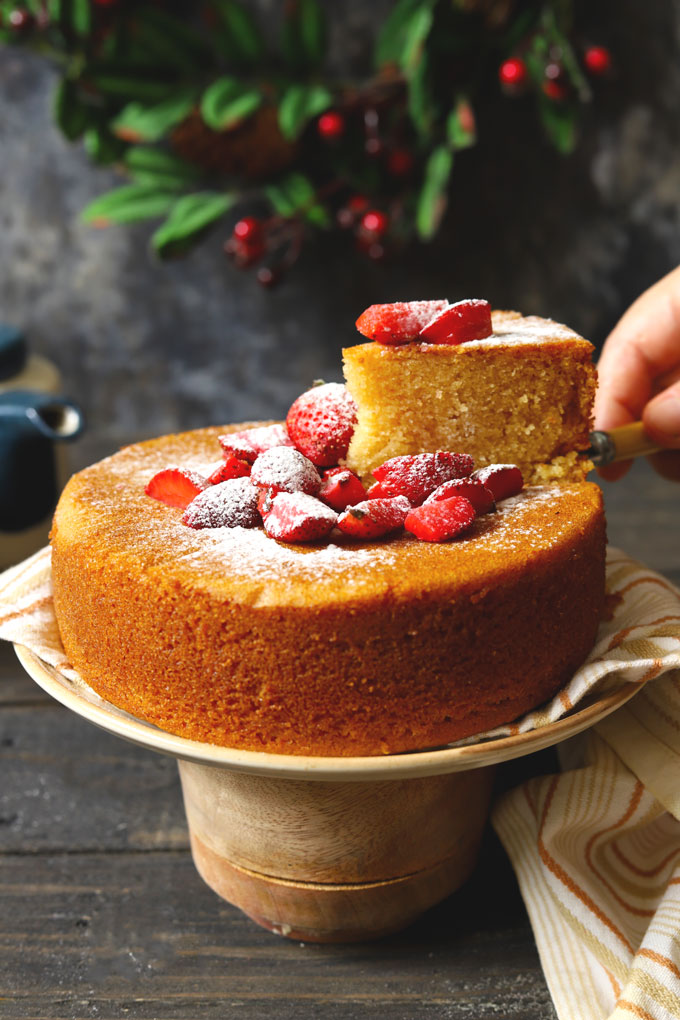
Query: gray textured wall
{"points": [[150, 348]]}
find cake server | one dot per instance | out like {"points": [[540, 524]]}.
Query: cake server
{"points": [[621, 443]]}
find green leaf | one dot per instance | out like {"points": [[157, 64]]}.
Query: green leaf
{"points": [[172, 42], [70, 113], [419, 29], [298, 105], [460, 125], [81, 17], [140, 123], [304, 34], [101, 146], [189, 217], [295, 195], [238, 36], [559, 123], [432, 199], [228, 102], [129, 86], [150, 165], [129, 204], [422, 106], [403, 32]]}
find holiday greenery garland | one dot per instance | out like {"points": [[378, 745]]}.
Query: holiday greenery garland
{"points": [[206, 116]]}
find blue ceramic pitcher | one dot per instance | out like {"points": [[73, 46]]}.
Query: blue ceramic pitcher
{"points": [[31, 423]]}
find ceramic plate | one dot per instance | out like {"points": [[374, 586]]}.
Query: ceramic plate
{"points": [[81, 699]]}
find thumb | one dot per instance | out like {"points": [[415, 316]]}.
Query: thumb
{"points": [[661, 417]]}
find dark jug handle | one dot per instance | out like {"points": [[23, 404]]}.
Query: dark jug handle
{"points": [[30, 425]]}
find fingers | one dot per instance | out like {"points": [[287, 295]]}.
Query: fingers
{"points": [[642, 348], [612, 472], [667, 464]]}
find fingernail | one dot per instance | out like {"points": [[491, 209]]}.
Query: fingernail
{"points": [[664, 416]]}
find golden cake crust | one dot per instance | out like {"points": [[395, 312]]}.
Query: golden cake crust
{"points": [[342, 648]]}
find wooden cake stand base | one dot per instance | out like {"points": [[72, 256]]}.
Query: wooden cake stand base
{"points": [[329, 849]]}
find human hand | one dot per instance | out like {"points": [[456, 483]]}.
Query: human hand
{"points": [[639, 375]]}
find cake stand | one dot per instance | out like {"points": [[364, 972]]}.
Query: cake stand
{"points": [[329, 849]]}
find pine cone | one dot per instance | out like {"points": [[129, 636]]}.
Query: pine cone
{"points": [[253, 150]]}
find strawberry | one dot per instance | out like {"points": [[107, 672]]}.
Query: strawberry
{"points": [[249, 443], [230, 504], [283, 469], [298, 517], [417, 475], [474, 490], [341, 488], [265, 500], [176, 486], [400, 322], [502, 480], [459, 323], [231, 467], [374, 517], [321, 423], [440, 520]]}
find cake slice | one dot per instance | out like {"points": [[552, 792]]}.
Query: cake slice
{"points": [[523, 395]]}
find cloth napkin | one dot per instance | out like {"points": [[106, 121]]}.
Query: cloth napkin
{"points": [[596, 848]]}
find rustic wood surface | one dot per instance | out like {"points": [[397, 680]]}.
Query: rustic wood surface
{"points": [[102, 913]]}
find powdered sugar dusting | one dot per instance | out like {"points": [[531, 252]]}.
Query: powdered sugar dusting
{"points": [[286, 470]]}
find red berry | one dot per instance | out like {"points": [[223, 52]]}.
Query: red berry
{"points": [[441, 520], [597, 59], [554, 90], [247, 229], [249, 443], [232, 467], [283, 469], [375, 222], [331, 125], [417, 475], [265, 501], [19, 19], [321, 423], [459, 323], [374, 517], [341, 488], [502, 480], [513, 73], [357, 204], [399, 162], [398, 323], [297, 517], [176, 486], [268, 277], [230, 504], [475, 491], [244, 253]]}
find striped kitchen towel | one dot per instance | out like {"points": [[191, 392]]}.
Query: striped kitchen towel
{"points": [[596, 849]]}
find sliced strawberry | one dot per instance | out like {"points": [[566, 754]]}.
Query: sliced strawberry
{"points": [[230, 504], [440, 520], [376, 491], [502, 480], [249, 443], [459, 323], [265, 500], [474, 490], [398, 323], [176, 486], [321, 423], [374, 517], [417, 475], [232, 467], [283, 469], [341, 488], [297, 517]]}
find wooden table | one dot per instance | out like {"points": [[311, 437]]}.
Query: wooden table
{"points": [[102, 913]]}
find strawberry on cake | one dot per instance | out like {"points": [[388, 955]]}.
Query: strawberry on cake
{"points": [[246, 586]]}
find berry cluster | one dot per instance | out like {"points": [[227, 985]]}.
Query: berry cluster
{"points": [[555, 78], [292, 480]]}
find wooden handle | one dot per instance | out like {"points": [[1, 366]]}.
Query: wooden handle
{"points": [[632, 441]]}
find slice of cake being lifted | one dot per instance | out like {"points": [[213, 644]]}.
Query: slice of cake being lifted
{"points": [[521, 395]]}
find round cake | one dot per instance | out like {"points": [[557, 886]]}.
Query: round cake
{"points": [[336, 648]]}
